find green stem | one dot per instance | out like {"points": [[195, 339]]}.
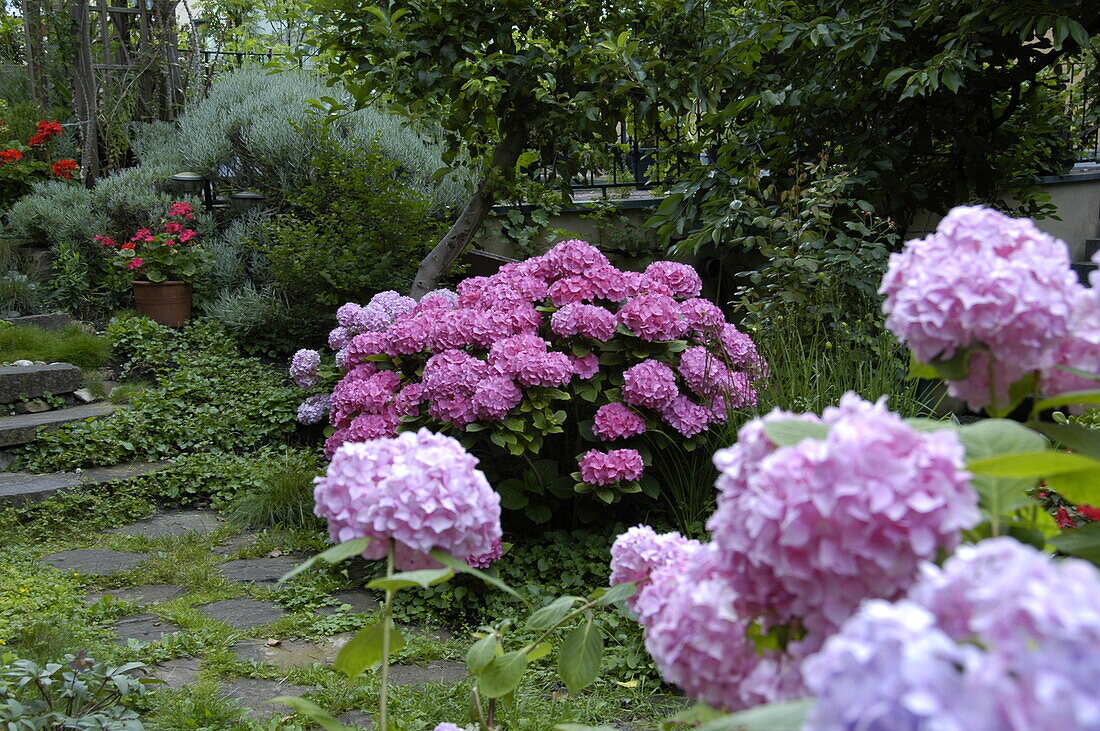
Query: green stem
{"points": [[387, 626], [584, 607]]}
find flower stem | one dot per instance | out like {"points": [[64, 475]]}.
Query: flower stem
{"points": [[387, 625]]}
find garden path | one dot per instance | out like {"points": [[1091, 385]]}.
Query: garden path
{"points": [[167, 603]]}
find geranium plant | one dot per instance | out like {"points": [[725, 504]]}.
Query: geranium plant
{"points": [[24, 164], [562, 360], [171, 253]]}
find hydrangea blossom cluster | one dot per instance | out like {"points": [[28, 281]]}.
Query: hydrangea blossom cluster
{"points": [[1002, 637], [421, 490], [984, 283], [303, 368], [802, 535], [532, 330]]}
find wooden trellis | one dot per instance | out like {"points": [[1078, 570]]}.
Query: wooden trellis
{"points": [[121, 51]]}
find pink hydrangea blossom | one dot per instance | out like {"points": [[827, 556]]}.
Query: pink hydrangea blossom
{"points": [[588, 321], [809, 531], [485, 560], [982, 280], [545, 369], [617, 421], [494, 397], [421, 490], [347, 313], [575, 257], [338, 338], [365, 394], [365, 427], [686, 416], [569, 290], [314, 409], [406, 336], [361, 347], [609, 283], [680, 280], [653, 317], [741, 352], [607, 468], [705, 373], [586, 366], [651, 384], [702, 316], [394, 304], [640, 551], [1080, 349], [303, 368]]}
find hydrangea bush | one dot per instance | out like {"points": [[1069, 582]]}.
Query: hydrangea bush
{"points": [[562, 358]]}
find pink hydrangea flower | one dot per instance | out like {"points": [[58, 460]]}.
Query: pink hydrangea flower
{"points": [[686, 416], [394, 304], [314, 409], [338, 338], [702, 316], [370, 394], [588, 321], [617, 421], [705, 373], [586, 366], [741, 351], [607, 468], [571, 290], [608, 283], [640, 551], [361, 347], [1080, 349], [421, 490], [303, 368], [653, 317], [494, 397], [347, 314], [680, 280], [651, 384], [365, 427], [982, 280], [575, 257], [544, 369], [406, 336], [808, 531], [485, 560]]}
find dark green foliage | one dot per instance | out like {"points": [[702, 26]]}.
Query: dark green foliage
{"points": [[73, 345], [356, 228], [206, 400], [284, 495]]}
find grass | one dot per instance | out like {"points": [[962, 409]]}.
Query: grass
{"points": [[71, 345], [126, 393], [284, 496]]}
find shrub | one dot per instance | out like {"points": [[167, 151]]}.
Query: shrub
{"points": [[55, 212], [355, 229], [521, 365]]}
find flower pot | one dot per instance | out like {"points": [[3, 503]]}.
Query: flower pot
{"points": [[168, 303]]}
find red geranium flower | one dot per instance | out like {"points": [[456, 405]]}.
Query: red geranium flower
{"points": [[1061, 517], [1089, 512], [187, 235], [64, 168], [135, 263], [45, 132], [128, 246], [181, 209], [10, 155], [173, 227], [104, 240]]}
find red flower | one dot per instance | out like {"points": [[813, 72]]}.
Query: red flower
{"points": [[45, 132], [169, 242], [128, 246], [64, 168], [1089, 512], [173, 227], [143, 234], [1061, 517], [181, 209], [104, 240], [10, 155], [187, 235], [135, 263]]}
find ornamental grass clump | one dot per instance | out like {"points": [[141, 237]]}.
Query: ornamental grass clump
{"points": [[562, 358]]}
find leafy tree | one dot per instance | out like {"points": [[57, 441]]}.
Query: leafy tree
{"points": [[501, 78], [927, 104]]}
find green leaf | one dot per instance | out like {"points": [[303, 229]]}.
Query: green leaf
{"points": [[312, 711], [1083, 542], [987, 439], [617, 593], [365, 649], [551, 614], [919, 369], [1033, 464], [580, 656], [503, 674], [336, 554], [582, 727], [481, 653], [1088, 396], [539, 651], [788, 432], [1071, 436], [422, 578], [1079, 487], [461, 567], [787, 716]]}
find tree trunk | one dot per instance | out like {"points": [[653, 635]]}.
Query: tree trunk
{"points": [[455, 241]]}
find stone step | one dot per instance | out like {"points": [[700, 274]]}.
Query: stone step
{"points": [[54, 321], [20, 488], [1091, 247], [23, 428], [22, 383]]}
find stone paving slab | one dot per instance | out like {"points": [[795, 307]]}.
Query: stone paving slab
{"points": [[176, 674], [53, 321], [243, 613], [19, 488], [173, 523], [359, 601], [20, 383], [234, 544], [253, 694], [357, 719], [258, 570], [436, 671], [145, 594], [144, 627], [94, 561], [292, 653], [23, 429]]}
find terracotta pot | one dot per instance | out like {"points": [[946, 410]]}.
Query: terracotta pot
{"points": [[168, 303]]}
